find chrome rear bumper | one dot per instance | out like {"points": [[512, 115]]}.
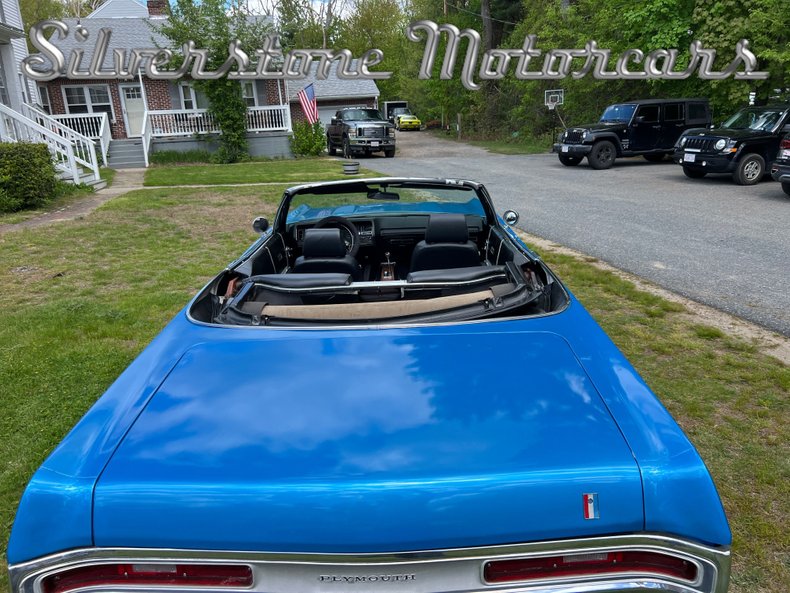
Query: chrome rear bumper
{"points": [[432, 571]]}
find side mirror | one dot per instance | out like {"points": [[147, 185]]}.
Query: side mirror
{"points": [[260, 224], [640, 119], [786, 128], [510, 217]]}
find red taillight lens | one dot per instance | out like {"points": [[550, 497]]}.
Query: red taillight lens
{"points": [[785, 143], [199, 575], [575, 565]]}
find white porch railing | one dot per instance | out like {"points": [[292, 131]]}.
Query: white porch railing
{"points": [[274, 118], [15, 127], [189, 122], [84, 146], [180, 122], [145, 133], [95, 126], [175, 123]]}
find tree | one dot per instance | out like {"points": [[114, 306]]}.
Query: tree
{"points": [[80, 8], [307, 25], [34, 11], [212, 25]]}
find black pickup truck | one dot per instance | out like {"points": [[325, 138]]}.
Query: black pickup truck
{"points": [[360, 130], [745, 145], [780, 170]]}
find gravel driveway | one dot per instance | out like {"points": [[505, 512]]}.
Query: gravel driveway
{"points": [[710, 240]]}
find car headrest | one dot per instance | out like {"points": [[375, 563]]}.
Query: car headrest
{"points": [[447, 228], [321, 243]]}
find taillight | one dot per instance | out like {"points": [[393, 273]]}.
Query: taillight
{"points": [[580, 565], [785, 143], [198, 575]]}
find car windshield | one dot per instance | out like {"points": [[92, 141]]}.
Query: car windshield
{"points": [[621, 112], [396, 198], [362, 115], [754, 118], [401, 111]]}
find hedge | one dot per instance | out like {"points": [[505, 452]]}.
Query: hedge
{"points": [[27, 176]]}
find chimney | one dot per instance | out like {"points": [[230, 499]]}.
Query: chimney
{"points": [[158, 7]]}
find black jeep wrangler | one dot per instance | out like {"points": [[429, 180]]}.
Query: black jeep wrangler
{"points": [[745, 145], [649, 128], [780, 170]]}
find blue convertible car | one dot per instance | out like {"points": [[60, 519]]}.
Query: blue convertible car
{"points": [[387, 392]]}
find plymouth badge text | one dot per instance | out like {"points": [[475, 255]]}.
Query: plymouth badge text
{"points": [[374, 578]]}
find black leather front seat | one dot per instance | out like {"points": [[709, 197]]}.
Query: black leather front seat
{"points": [[446, 245], [323, 251]]}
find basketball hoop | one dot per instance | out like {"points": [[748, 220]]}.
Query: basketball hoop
{"points": [[554, 97]]}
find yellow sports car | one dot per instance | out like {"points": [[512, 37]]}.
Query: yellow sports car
{"points": [[408, 122]]}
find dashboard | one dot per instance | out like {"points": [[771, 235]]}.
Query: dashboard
{"points": [[386, 232]]}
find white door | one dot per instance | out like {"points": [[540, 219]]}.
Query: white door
{"points": [[133, 109]]}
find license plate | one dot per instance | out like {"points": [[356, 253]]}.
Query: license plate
{"points": [[785, 154], [374, 143], [689, 158], [565, 148]]}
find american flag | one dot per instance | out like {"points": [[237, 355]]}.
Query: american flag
{"points": [[308, 103]]}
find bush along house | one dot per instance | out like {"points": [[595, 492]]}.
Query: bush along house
{"points": [[130, 119]]}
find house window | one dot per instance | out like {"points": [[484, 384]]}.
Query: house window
{"points": [[4, 99], [249, 93], [43, 94], [88, 99], [191, 98], [188, 100], [132, 92], [24, 90]]}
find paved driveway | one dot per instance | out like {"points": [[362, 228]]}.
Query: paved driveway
{"points": [[710, 240]]}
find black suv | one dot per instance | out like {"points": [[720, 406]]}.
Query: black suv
{"points": [[649, 128], [780, 170], [745, 145]]}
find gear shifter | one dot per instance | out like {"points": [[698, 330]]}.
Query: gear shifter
{"points": [[387, 268]]}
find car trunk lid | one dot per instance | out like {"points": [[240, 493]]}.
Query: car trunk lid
{"points": [[370, 441]]}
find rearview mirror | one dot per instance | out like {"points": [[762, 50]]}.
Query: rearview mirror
{"points": [[510, 217], [260, 224]]}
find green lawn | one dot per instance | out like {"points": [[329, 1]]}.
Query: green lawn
{"points": [[80, 299], [289, 171]]}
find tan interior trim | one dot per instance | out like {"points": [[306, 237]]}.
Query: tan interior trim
{"points": [[380, 310]]}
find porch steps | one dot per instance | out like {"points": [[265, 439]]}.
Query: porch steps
{"points": [[126, 154], [86, 178]]}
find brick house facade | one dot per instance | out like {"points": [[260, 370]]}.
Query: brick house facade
{"points": [[132, 26]]}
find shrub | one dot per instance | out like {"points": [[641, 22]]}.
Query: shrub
{"points": [[27, 176], [308, 140]]}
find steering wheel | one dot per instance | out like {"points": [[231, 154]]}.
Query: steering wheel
{"points": [[348, 232]]}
